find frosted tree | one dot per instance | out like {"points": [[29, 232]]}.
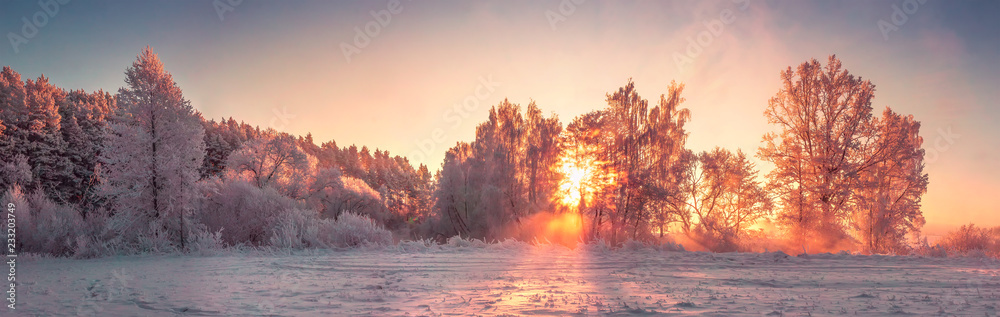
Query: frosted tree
{"points": [[457, 201], [722, 198], [633, 159], [32, 129], [11, 105], [888, 204], [40, 137], [152, 155], [499, 146], [274, 160], [221, 139], [644, 148], [541, 155], [665, 157], [824, 114], [83, 131], [830, 152]]}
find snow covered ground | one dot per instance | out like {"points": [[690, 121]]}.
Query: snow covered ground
{"points": [[508, 279]]}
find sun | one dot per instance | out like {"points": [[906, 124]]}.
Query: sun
{"points": [[574, 181]]}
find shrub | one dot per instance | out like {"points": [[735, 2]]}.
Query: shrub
{"points": [[14, 195], [925, 249], [352, 194], [43, 226], [302, 228], [297, 229], [353, 230], [970, 240], [244, 213], [205, 242]]}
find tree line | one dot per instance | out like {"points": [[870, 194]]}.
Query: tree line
{"points": [[141, 170], [843, 178]]}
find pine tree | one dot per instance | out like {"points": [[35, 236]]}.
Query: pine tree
{"points": [[84, 126], [11, 106], [152, 154]]}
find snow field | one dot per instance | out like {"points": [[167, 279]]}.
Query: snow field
{"points": [[417, 279]]}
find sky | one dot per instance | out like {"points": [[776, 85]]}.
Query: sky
{"points": [[416, 77]]}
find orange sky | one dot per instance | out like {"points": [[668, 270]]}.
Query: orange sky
{"points": [[281, 65]]}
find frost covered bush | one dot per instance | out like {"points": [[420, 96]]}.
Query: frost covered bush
{"points": [[297, 229], [157, 240], [205, 242], [15, 171], [460, 242], [334, 196], [274, 160], [15, 195], [302, 228], [971, 240], [925, 249], [353, 230], [90, 247], [243, 212], [43, 226], [597, 245], [633, 245]]}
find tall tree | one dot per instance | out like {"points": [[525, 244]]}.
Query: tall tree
{"points": [[489, 186], [152, 154], [888, 204], [645, 149], [828, 146], [456, 199], [587, 177], [541, 155], [666, 157]]}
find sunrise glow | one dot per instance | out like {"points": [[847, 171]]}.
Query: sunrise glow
{"points": [[573, 182], [507, 158]]}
